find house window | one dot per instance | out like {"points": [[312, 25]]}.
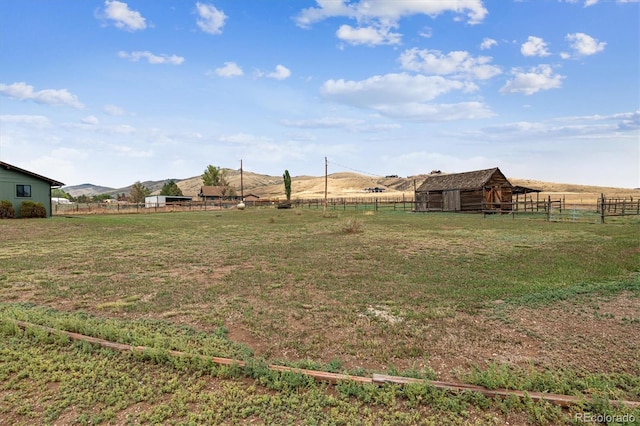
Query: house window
{"points": [[23, 191]]}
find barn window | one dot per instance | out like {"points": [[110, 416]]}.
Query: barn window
{"points": [[23, 191]]}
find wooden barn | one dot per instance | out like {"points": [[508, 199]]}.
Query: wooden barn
{"points": [[476, 191]]}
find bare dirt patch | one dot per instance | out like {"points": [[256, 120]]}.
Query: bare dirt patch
{"points": [[599, 336]]}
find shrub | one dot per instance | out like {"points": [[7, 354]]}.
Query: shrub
{"points": [[6, 210], [29, 209], [352, 226]]}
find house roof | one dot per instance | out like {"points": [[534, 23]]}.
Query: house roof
{"points": [[466, 180], [51, 182], [214, 191]]}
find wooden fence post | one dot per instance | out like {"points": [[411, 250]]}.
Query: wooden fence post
{"points": [[549, 209], [602, 208]]}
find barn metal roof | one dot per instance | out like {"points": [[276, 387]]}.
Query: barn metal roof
{"points": [[466, 180]]}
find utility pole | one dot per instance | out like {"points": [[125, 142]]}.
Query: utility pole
{"points": [[241, 183], [325, 185]]}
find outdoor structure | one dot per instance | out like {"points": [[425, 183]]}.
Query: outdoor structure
{"points": [[218, 193], [375, 189], [60, 200], [251, 199], [163, 200], [18, 185], [518, 190], [476, 191]]}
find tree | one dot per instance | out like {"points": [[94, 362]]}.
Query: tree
{"points": [[100, 198], [287, 184], [171, 188], [214, 176], [138, 193], [59, 193]]}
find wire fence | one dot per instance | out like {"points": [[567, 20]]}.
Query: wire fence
{"points": [[546, 209]]}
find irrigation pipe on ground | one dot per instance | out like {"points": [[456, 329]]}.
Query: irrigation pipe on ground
{"points": [[556, 399]]}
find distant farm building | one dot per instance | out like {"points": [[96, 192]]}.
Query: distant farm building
{"points": [[60, 200], [163, 200], [251, 199], [18, 185], [476, 191], [218, 193], [375, 189]]}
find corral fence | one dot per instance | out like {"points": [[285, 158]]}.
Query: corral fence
{"points": [[359, 203], [618, 206], [558, 210]]}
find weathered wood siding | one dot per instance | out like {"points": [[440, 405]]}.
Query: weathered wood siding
{"points": [[451, 200], [477, 191]]}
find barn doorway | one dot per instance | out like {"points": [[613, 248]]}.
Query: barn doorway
{"points": [[451, 200], [493, 198]]}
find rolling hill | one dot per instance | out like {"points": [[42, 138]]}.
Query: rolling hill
{"points": [[344, 184]]}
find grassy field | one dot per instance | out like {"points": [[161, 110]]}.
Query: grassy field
{"points": [[521, 304]]}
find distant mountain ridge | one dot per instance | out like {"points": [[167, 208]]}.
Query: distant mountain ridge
{"points": [[342, 184], [267, 186], [86, 189]]}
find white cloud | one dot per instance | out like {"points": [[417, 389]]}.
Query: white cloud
{"points": [[389, 89], [585, 45], [529, 82], [152, 58], [592, 126], [91, 119], [123, 17], [25, 92], [122, 129], [426, 32], [348, 124], [38, 121], [230, 69], [457, 64], [281, 73], [404, 96], [534, 46], [324, 123], [211, 20], [415, 111], [622, 122], [127, 151], [588, 3], [114, 110], [371, 36], [389, 11], [487, 43]]}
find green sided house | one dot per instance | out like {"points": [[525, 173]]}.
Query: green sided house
{"points": [[18, 185]]}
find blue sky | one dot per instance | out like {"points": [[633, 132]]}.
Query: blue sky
{"points": [[113, 92]]}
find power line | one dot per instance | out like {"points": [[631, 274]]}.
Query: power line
{"points": [[354, 170]]}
